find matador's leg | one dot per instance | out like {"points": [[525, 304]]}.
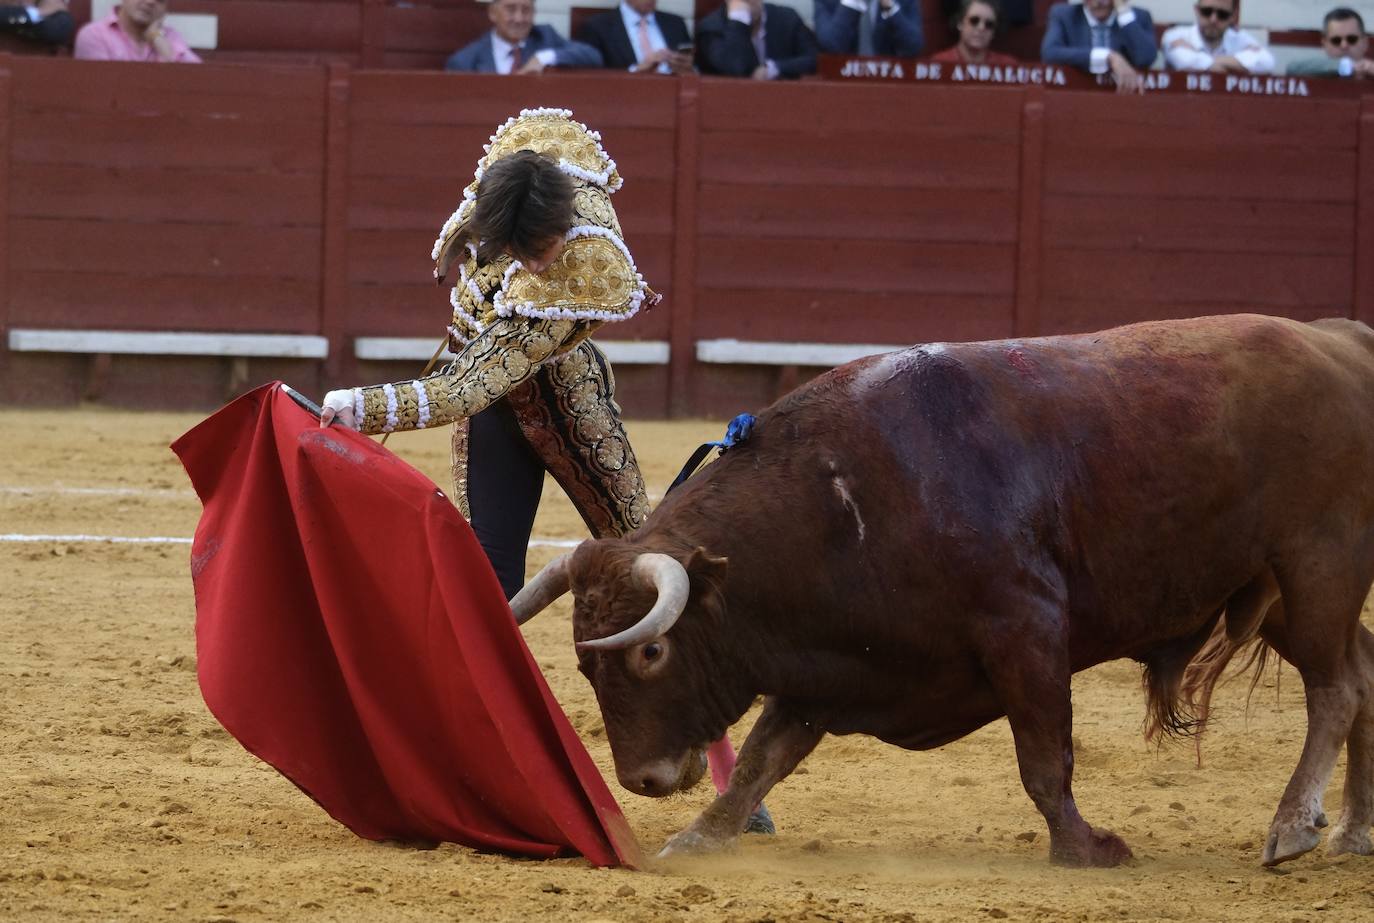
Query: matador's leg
{"points": [[572, 421]]}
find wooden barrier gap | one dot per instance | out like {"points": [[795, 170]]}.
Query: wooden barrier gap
{"points": [[789, 225]]}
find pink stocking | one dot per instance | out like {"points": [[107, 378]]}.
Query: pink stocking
{"points": [[721, 758]]}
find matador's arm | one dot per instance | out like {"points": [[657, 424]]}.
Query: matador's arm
{"points": [[505, 354]]}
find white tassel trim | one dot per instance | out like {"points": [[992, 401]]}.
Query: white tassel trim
{"points": [[392, 420], [358, 407], [422, 399]]}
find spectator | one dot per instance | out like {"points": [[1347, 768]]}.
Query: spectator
{"points": [[1345, 42], [638, 38], [1102, 37], [46, 24], [750, 38], [135, 31], [515, 45], [1215, 44], [891, 27], [975, 22]]}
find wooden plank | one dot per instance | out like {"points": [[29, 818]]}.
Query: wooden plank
{"points": [[1168, 223], [1226, 281], [1118, 169], [860, 212], [164, 343], [134, 91], [619, 352], [854, 111], [372, 40], [166, 300], [383, 149], [1085, 121], [6, 110], [333, 296], [856, 266], [438, 30], [423, 310], [169, 141], [1363, 307], [838, 316], [1083, 315], [883, 159], [771, 352], [603, 100], [283, 24], [1030, 220], [686, 217], [210, 251], [402, 257], [150, 193]]}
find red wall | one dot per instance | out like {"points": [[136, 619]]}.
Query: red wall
{"points": [[305, 200]]}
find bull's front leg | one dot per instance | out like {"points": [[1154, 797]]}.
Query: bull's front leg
{"points": [[1027, 664], [778, 742]]}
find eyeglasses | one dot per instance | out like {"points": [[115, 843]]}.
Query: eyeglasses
{"points": [[979, 22], [1213, 12], [1339, 40]]}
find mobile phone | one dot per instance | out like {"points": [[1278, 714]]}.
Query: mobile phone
{"points": [[685, 48]]}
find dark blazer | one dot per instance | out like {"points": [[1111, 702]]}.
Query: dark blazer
{"points": [[55, 29], [724, 46], [1069, 40], [837, 29], [478, 56], [606, 33]]}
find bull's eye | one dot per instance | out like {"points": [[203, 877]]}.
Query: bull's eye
{"points": [[652, 651]]}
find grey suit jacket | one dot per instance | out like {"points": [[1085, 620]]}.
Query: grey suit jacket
{"points": [[478, 57]]}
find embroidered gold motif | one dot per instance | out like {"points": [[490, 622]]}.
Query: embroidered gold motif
{"points": [[591, 278]]}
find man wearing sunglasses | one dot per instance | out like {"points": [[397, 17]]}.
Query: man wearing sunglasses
{"points": [[1214, 44], [1102, 36], [1345, 44]]}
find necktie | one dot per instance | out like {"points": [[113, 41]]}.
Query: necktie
{"points": [[517, 58], [866, 23], [1101, 35], [646, 47]]}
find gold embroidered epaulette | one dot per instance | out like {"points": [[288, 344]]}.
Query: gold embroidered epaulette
{"points": [[552, 132]]}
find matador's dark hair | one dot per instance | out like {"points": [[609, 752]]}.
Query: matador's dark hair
{"points": [[523, 202]]}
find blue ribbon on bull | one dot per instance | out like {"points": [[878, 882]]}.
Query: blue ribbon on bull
{"points": [[738, 431]]}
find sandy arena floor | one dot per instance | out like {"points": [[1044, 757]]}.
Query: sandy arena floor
{"points": [[123, 799]]}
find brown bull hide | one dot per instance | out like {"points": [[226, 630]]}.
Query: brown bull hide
{"points": [[922, 542]]}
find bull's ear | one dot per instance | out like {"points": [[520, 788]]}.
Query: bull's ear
{"points": [[700, 564]]}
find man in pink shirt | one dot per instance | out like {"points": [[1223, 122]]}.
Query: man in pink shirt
{"points": [[134, 32]]}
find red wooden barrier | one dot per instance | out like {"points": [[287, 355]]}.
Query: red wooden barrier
{"points": [[304, 201]]}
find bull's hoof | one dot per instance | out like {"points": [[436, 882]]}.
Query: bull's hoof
{"points": [[1351, 840], [1285, 844], [760, 822], [689, 843], [1101, 849]]}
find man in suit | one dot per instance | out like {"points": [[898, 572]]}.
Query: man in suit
{"points": [[1345, 45], [750, 38], [639, 38], [44, 25], [1102, 36], [890, 27], [515, 45]]}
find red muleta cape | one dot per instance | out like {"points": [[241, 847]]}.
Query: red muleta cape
{"points": [[350, 632]]}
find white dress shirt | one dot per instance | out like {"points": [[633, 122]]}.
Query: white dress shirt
{"points": [[1097, 58], [656, 39], [1196, 56], [503, 51]]}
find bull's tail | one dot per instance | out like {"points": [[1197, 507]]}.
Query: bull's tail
{"points": [[1169, 711], [1206, 669]]}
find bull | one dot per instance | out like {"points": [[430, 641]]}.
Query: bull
{"points": [[918, 543]]}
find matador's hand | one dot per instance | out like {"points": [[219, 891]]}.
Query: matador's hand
{"points": [[338, 406]]}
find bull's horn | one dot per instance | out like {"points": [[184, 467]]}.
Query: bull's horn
{"points": [[670, 577], [546, 586]]}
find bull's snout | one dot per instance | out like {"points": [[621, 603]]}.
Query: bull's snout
{"points": [[664, 777]]}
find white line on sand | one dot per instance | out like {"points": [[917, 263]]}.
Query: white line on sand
{"points": [[98, 491], [178, 540]]}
